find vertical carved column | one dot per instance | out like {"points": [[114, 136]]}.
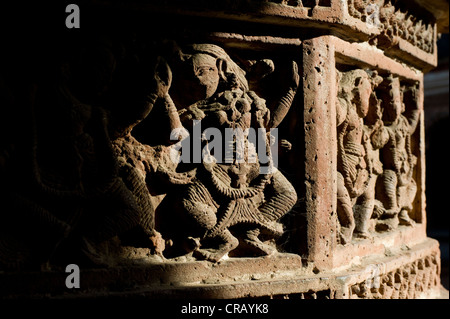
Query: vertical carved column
{"points": [[320, 155]]}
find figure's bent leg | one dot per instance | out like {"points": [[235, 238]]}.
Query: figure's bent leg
{"points": [[365, 210], [390, 190], [406, 205], [283, 199], [254, 242], [144, 234], [229, 242], [345, 211]]}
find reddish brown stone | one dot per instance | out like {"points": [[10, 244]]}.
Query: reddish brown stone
{"points": [[343, 215]]}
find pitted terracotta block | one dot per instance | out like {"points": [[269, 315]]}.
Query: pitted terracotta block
{"points": [[320, 154]]}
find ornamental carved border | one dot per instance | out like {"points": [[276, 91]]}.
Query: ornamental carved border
{"points": [[394, 23], [407, 282]]}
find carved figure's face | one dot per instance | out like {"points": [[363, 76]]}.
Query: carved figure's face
{"points": [[197, 81], [363, 92], [397, 104], [206, 75]]}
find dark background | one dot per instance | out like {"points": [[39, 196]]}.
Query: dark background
{"points": [[436, 105]]}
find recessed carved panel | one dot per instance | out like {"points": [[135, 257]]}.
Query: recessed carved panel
{"points": [[376, 119], [140, 158]]}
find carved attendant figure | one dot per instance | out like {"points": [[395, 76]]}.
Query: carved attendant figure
{"points": [[374, 138], [399, 162], [211, 87], [354, 175]]}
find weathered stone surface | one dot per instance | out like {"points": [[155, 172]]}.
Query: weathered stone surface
{"points": [[391, 25], [403, 273], [318, 191]]}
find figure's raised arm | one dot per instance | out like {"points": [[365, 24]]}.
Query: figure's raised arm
{"points": [[411, 99], [285, 103], [162, 83]]}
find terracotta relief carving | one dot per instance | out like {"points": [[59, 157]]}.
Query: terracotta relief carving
{"points": [[403, 283], [229, 200], [73, 199], [401, 116], [375, 159], [304, 3], [227, 149], [394, 22], [103, 191], [356, 176]]}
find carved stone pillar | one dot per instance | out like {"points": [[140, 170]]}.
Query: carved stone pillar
{"points": [[126, 168]]}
